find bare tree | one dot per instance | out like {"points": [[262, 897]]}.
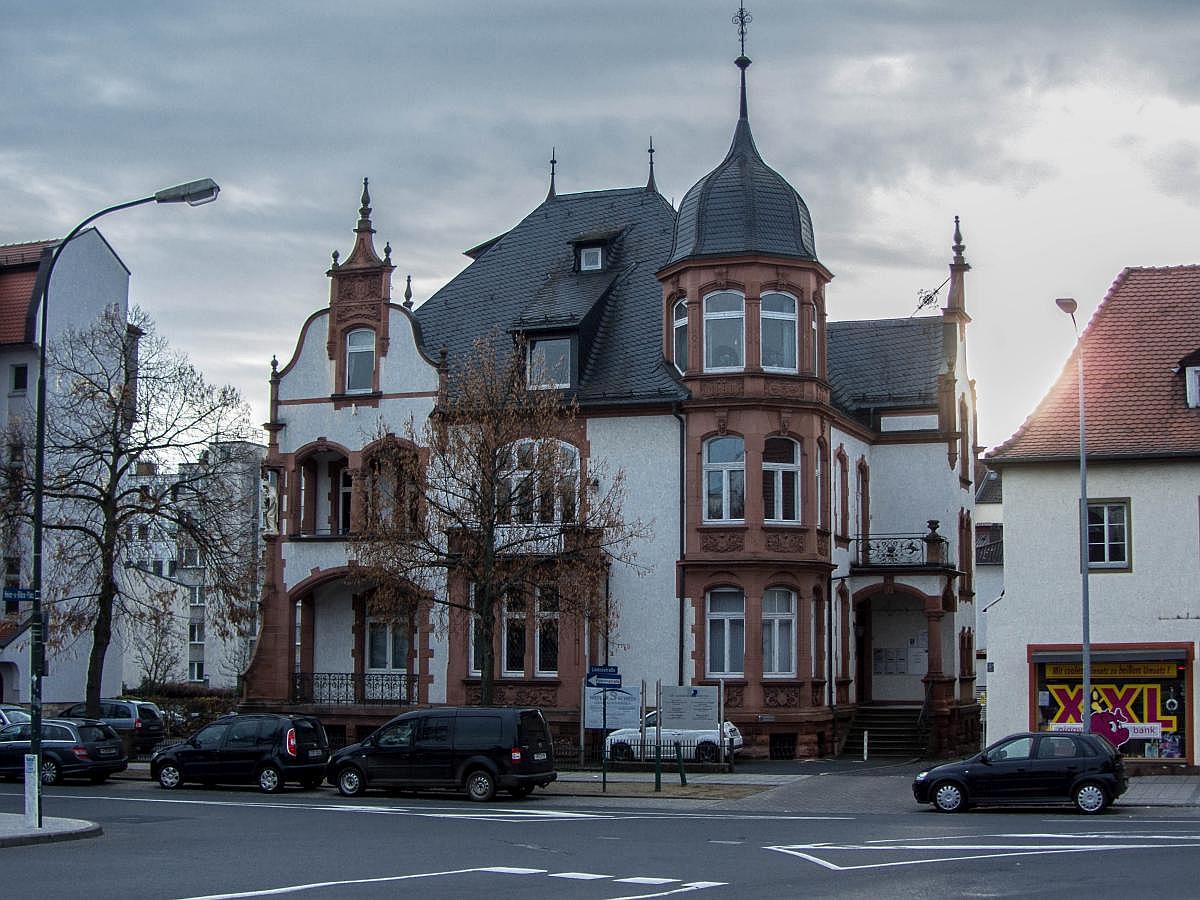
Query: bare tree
{"points": [[491, 488], [156, 639], [122, 397]]}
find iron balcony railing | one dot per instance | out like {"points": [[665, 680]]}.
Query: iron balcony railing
{"points": [[348, 687], [928, 549]]}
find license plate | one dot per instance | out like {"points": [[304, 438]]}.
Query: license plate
{"points": [[538, 757], [107, 751], [312, 753]]}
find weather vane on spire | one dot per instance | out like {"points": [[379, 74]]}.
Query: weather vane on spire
{"points": [[741, 19]]}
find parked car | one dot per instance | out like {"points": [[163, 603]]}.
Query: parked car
{"points": [[1039, 766], [71, 748], [138, 722], [476, 749], [268, 750], [700, 744], [10, 714]]}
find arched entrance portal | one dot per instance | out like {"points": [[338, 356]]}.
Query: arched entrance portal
{"points": [[891, 633]]}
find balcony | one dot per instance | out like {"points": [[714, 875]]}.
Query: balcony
{"points": [[347, 688], [902, 551]]}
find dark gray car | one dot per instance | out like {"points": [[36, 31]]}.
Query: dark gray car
{"points": [[71, 748], [138, 722]]}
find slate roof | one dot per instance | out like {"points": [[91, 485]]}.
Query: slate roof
{"points": [[1135, 396], [526, 278], [19, 265], [991, 485], [884, 363], [742, 207]]}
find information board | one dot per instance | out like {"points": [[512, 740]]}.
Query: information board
{"points": [[690, 707], [624, 708]]}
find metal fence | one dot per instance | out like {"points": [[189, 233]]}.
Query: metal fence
{"points": [[640, 755], [350, 687]]}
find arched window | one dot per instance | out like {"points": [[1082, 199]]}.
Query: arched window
{"points": [[724, 332], [360, 361], [822, 484], [726, 631], [724, 479], [781, 480], [841, 495], [777, 332], [392, 488], [539, 483], [681, 335], [779, 632]]}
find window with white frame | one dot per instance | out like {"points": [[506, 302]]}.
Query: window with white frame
{"points": [[1108, 535], [725, 479], [546, 645], [816, 345], [189, 557], [550, 363], [196, 670], [841, 496], [781, 480], [1192, 376], [196, 596], [724, 332], [777, 332], [196, 632], [345, 492], [541, 485], [591, 259], [387, 646], [779, 632], [360, 361], [726, 631], [514, 636], [680, 317], [475, 637]]}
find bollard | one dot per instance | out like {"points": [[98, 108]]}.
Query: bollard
{"points": [[679, 759], [658, 767], [604, 769], [865, 733], [730, 757]]}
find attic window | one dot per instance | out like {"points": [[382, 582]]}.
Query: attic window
{"points": [[591, 259], [550, 363], [1192, 377]]}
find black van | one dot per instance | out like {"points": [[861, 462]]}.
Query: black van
{"points": [[266, 750], [476, 749]]}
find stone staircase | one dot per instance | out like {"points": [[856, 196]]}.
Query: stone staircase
{"points": [[893, 732]]}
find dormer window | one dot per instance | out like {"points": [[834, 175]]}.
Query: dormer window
{"points": [[681, 336], [360, 361], [550, 363], [591, 259]]}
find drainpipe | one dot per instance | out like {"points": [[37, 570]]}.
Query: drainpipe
{"points": [[829, 662], [681, 568]]}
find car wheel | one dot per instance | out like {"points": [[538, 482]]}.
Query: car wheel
{"points": [[948, 797], [620, 753], [521, 791], [311, 783], [51, 773], [350, 782], [707, 752], [1090, 798], [169, 776], [481, 786], [270, 780]]}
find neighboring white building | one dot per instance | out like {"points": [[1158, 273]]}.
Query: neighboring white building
{"points": [[810, 482], [1141, 354], [989, 561], [88, 278]]}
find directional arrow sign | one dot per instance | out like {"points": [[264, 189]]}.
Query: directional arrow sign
{"points": [[603, 677]]}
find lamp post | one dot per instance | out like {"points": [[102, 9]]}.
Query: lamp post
{"points": [[194, 193], [1068, 305]]}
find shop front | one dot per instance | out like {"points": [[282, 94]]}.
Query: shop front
{"points": [[1139, 697]]}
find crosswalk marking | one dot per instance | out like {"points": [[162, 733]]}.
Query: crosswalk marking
{"points": [[642, 879], [578, 876]]}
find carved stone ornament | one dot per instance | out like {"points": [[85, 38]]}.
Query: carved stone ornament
{"points": [[721, 387], [780, 696], [776, 388], [722, 422], [722, 542], [357, 288], [785, 542], [545, 695], [366, 310], [785, 421], [822, 545], [735, 695]]}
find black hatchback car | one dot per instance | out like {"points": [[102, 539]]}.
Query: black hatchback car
{"points": [[476, 749], [71, 748], [267, 750], [1036, 767]]}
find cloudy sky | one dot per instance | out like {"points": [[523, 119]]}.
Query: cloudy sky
{"points": [[1065, 134]]}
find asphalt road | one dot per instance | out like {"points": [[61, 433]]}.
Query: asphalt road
{"points": [[847, 836]]}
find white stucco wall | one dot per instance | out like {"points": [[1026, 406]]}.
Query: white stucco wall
{"points": [[1042, 586], [645, 644], [333, 620]]}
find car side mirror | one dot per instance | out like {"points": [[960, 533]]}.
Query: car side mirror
{"points": [[983, 758]]}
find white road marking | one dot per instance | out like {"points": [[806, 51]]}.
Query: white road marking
{"points": [[578, 876], [687, 888], [316, 885], [734, 843], [643, 879]]}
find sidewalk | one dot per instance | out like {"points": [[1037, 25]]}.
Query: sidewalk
{"points": [[1145, 790]]}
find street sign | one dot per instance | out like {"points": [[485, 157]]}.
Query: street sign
{"points": [[603, 677], [14, 595]]}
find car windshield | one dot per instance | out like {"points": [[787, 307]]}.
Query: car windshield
{"points": [[17, 715]]}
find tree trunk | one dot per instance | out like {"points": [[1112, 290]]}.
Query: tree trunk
{"points": [[101, 638], [486, 609]]}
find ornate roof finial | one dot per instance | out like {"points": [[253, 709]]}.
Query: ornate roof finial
{"points": [[364, 211], [741, 19], [387, 253], [335, 258], [958, 245], [550, 195], [650, 185], [408, 292], [274, 364]]}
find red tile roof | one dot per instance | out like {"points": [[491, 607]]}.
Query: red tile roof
{"points": [[1135, 402], [18, 276]]}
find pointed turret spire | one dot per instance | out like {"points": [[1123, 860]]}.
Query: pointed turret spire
{"points": [[650, 185], [956, 301], [364, 211], [741, 19], [958, 246], [550, 195]]}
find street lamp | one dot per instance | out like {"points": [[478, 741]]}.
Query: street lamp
{"points": [[1068, 305], [194, 193]]}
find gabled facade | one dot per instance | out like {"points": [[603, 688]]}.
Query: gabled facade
{"points": [[88, 279], [1140, 352], [809, 481]]}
